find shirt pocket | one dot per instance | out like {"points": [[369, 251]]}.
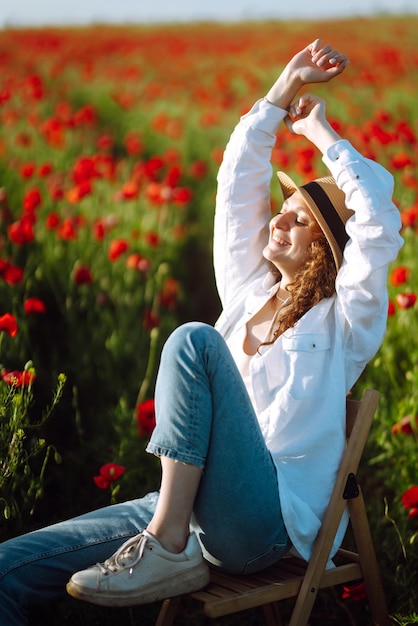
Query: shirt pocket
{"points": [[308, 358]]}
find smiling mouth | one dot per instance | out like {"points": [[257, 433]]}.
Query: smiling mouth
{"points": [[277, 239]]}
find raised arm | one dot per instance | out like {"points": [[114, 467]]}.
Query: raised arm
{"points": [[373, 231], [243, 198], [314, 64]]}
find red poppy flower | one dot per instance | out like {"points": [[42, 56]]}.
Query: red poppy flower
{"points": [[108, 474], [117, 248], [399, 275], [8, 324], [53, 131], [152, 239], [173, 175], [137, 262], [52, 221], [4, 96], [391, 308], [21, 232], [410, 500], [103, 225], [130, 189], [11, 274], [198, 169], [34, 306], [27, 170], [405, 425], [86, 116], [150, 319], [182, 195], [83, 275], [34, 87], [157, 193], [67, 230], [45, 169], [56, 192], [84, 169], [145, 416], [99, 230], [104, 142], [355, 592], [23, 139], [405, 300], [18, 379], [152, 167], [133, 143], [401, 160], [168, 296], [409, 216], [77, 193], [31, 200]]}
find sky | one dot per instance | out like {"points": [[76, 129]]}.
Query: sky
{"points": [[62, 12]]}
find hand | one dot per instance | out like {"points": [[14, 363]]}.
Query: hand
{"points": [[304, 112], [317, 63], [313, 64], [307, 117]]}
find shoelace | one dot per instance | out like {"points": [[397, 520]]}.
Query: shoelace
{"points": [[127, 555]]}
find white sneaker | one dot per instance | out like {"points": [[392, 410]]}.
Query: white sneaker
{"points": [[142, 571]]}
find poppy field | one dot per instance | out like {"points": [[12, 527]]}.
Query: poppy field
{"points": [[110, 141]]}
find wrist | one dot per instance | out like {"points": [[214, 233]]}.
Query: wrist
{"points": [[322, 135], [285, 89]]}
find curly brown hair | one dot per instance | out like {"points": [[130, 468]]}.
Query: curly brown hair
{"points": [[312, 283]]}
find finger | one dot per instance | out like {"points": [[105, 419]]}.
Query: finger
{"points": [[289, 124], [294, 112], [342, 59], [315, 46], [329, 58], [328, 55], [337, 66], [336, 59], [334, 66], [288, 121], [320, 53]]}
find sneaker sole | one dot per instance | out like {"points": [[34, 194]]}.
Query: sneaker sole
{"points": [[179, 584]]}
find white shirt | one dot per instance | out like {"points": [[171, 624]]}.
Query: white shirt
{"points": [[299, 384]]}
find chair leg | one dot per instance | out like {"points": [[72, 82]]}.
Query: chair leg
{"points": [[168, 611], [368, 561], [272, 614]]}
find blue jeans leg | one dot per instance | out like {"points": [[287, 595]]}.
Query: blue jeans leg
{"points": [[34, 568], [205, 418]]}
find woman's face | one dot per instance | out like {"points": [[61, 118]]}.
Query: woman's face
{"points": [[291, 234]]}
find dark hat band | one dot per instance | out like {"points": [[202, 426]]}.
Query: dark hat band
{"points": [[328, 212]]}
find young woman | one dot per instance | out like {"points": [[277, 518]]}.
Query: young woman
{"points": [[250, 414]]}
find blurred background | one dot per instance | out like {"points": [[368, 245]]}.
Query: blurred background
{"points": [[23, 12]]}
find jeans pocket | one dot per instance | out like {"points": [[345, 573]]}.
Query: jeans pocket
{"points": [[274, 554]]}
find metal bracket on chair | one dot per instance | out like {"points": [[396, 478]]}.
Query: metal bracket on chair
{"points": [[351, 487]]}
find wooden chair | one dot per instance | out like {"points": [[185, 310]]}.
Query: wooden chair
{"points": [[294, 578]]}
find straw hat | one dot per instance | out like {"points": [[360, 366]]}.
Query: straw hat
{"points": [[327, 203]]}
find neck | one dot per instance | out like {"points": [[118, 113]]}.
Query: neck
{"points": [[281, 294]]}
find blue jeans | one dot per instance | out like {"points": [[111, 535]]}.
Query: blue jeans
{"points": [[204, 418]]}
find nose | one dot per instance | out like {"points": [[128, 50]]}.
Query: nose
{"points": [[281, 220]]}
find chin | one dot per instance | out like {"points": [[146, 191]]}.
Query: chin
{"points": [[269, 255]]}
